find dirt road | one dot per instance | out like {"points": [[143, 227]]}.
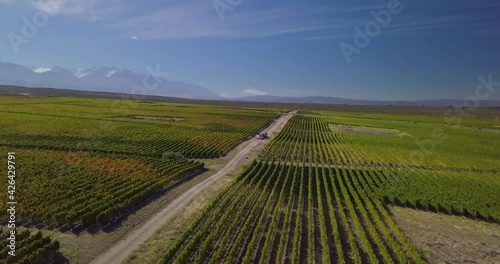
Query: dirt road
{"points": [[119, 252]]}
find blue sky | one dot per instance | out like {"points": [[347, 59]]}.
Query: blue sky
{"points": [[428, 50]]}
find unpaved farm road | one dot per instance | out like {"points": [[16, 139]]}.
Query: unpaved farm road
{"points": [[119, 252]]}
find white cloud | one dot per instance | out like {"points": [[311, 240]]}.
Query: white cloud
{"points": [[63, 6], [254, 92], [198, 19], [134, 37], [194, 19], [91, 10]]}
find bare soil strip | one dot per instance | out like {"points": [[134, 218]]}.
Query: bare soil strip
{"points": [[449, 239], [366, 130], [119, 252], [170, 119]]}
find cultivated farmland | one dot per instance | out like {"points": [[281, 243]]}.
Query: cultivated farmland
{"points": [[88, 164], [320, 195], [104, 126], [35, 248], [296, 213], [418, 144], [320, 190]]}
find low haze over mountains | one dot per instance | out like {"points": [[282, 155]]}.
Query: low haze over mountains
{"points": [[105, 79], [116, 80], [336, 100]]}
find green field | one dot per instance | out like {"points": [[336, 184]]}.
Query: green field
{"points": [[278, 213], [69, 190], [88, 163], [35, 248], [424, 145], [106, 126], [320, 191]]}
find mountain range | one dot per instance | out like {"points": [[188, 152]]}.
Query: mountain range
{"points": [[122, 81], [103, 78]]}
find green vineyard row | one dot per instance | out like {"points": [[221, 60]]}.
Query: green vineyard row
{"points": [[60, 191], [295, 213], [310, 139], [29, 248], [99, 126]]}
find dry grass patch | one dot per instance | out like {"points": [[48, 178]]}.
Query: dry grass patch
{"points": [[450, 239]]}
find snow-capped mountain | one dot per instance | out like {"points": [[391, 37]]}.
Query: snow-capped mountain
{"points": [[40, 69], [96, 71], [102, 78]]}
